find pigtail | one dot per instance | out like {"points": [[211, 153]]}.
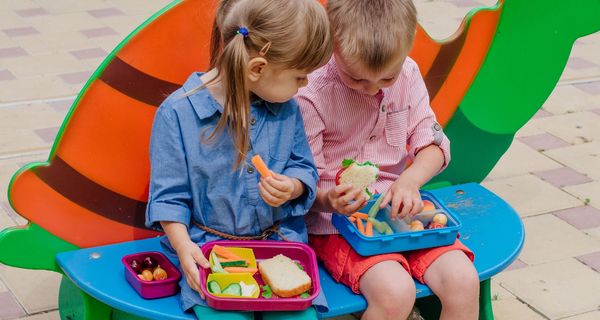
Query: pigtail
{"points": [[233, 70], [216, 38]]}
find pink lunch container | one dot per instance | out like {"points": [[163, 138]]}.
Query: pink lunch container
{"points": [[156, 288]]}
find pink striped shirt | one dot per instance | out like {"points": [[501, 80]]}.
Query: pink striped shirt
{"points": [[387, 129]]}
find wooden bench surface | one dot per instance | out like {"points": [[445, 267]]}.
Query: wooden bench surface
{"points": [[491, 228]]}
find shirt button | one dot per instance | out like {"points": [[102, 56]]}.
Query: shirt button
{"points": [[250, 170], [437, 127], [383, 108], [372, 138], [253, 121]]}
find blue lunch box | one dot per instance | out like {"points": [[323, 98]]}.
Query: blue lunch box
{"points": [[401, 241]]}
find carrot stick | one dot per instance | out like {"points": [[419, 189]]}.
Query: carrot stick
{"points": [[260, 165], [352, 219], [360, 226], [369, 229], [225, 253], [241, 270], [360, 215]]}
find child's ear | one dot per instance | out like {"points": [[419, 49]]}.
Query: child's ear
{"points": [[256, 68]]}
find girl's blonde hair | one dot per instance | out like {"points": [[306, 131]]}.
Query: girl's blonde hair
{"points": [[293, 34], [373, 32]]}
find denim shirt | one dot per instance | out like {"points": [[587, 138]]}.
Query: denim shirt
{"points": [[191, 179]]}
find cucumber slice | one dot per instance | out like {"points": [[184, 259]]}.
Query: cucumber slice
{"points": [[213, 287], [233, 289], [237, 263], [216, 266]]}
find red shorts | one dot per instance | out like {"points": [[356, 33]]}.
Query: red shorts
{"points": [[347, 266]]}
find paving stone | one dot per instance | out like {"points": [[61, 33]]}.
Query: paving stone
{"points": [[557, 289], [29, 117], [6, 75], [594, 233], [26, 13], [584, 217], [20, 32], [594, 315], [3, 287], [544, 141], [520, 159], [47, 134], [529, 195], [53, 315], [583, 158], [567, 99], [44, 64], [98, 32], [542, 114], [589, 87], [517, 264], [105, 12], [574, 128], [9, 307], [549, 239], [36, 290], [592, 260], [562, 177], [498, 292], [513, 309], [580, 63], [529, 129], [76, 77], [89, 53], [596, 111], [12, 52], [465, 3]]}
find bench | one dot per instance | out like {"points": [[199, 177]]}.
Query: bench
{"points": [[98, 271], [485, 82]]}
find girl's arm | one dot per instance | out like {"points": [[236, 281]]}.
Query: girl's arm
{"points": [[189, 253]]}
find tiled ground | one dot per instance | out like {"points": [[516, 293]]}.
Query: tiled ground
{"points": [[550, 175]]}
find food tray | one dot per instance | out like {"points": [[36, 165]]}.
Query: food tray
{"points": [[265, 249], [156, 288], [401, 241]]}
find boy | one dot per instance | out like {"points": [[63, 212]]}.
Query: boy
{"points": [[369, 103]]}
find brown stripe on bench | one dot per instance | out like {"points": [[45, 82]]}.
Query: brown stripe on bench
{"points": [[81, 190], [137, 84], [443, 63]]}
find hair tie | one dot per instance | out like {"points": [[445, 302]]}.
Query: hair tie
{"points": [[243, 31]]}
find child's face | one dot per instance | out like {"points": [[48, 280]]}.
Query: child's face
{"points": [[278, 84], [357, 76]]}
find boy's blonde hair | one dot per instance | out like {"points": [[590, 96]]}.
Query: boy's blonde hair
{"points": [[293, 34], [373, 32]]}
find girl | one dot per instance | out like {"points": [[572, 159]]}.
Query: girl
{"points": [[202, 185]]}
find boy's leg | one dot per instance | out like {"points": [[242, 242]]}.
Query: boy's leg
{"points": [[208, 313], [450, 274], [389, 290], [382, 279], [308, 314]]}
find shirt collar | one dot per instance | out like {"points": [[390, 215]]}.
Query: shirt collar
{"points": [[205, 105]]}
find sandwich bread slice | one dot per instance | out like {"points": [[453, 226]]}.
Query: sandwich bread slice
{"points": [[361, 175], [284, 276]]}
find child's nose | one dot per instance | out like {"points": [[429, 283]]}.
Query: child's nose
{"points": [[371, 89]]}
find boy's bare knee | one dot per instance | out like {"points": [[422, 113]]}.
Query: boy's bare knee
{"points": [[390, 291]]}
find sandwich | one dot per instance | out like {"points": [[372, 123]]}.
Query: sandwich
{"points": [[284, 276], [360, 175]]}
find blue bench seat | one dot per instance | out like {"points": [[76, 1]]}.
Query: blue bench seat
{"points": [[491, 228]]}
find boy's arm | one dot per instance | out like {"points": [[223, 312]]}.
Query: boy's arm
{"points": [[423, 129]]}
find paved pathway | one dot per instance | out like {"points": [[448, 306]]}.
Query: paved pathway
{"points": [[550, 175]]}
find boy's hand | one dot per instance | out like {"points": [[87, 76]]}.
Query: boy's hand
{"points": [[278, 189], [190, 256], [405, 197], [346, 198]]}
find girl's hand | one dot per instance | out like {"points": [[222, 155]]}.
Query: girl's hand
{"points": [[278, 189], [346, 198], [405, 197], [190, 256]]}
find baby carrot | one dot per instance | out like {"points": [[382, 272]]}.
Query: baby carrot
{"points": [[369, 229], [360, 215], [240, 270], [260, 165], [360, 226]]}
